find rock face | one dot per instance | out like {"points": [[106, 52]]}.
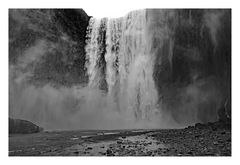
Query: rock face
{"points": [[50, 43], [219, 125], [46, 49], [22, 126], [192, 72]]}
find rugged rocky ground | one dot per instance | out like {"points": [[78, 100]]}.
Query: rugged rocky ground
{"points": [[212, 139]]}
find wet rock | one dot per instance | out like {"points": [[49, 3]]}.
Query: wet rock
{"points": [[229, 140], [190, 127], [23, 126], [119, 142], [220, 141], [223, 133], [149, 153], [199, 126], [215, 143], [76, 152], [190, 152], [109, 152], [132, 152]]}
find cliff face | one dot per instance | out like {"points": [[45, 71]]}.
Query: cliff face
{"points": [[47, 46], [193, 65]]}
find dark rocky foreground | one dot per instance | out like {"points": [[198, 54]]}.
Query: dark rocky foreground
{"points": [[212, 139]]}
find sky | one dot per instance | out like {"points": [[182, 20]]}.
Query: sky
{"points": [[107, 12]]}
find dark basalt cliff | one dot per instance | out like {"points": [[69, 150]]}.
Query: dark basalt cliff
{"points": [[193, 67], [54, 40]]}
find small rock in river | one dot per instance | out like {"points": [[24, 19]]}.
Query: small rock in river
{"points": [[190, 152], [119, 142], [215, 143], [76, 152]]}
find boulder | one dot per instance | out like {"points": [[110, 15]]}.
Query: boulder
{"points": [[200, 126], [22, 127]]}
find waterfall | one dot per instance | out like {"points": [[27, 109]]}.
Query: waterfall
{"points": [[152, 68], [120, 46]]}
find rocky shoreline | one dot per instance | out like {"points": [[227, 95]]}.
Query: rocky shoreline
{"points": [[212, 139]]}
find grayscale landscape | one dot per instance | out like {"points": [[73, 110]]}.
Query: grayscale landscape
{"points": [[154, 82]]}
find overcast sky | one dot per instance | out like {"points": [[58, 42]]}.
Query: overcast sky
{"points": [[107, 12]]}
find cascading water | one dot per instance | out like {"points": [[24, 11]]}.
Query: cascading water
{"points": [[128, 62]]}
